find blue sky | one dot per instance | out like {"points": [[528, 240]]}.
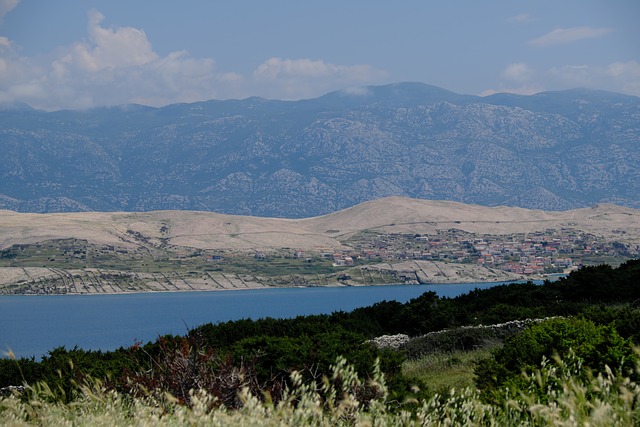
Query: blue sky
{"points": [[86, 53]]}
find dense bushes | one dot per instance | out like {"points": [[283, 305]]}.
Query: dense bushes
{"points": [[465, 338], [569, 296], [595, 346], [261, 354], [554, 395], [64, 369]]}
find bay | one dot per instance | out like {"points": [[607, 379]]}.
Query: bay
{"points": [[33, 325]]}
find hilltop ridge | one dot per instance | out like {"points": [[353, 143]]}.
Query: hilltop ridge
{"points": [[208, 230], [295, 159], [391, 240]]}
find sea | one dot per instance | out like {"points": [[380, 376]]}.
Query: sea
{"points": [[31, 326]]}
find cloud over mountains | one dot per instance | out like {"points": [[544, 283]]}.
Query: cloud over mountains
{"points": [[119, 65], [110, 64], [553, 151], [568, 35]]}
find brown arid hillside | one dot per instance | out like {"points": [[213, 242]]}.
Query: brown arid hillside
{"points": [[404, 215], [206, 230], [245, 249]]}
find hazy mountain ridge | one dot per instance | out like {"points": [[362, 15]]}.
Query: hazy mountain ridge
{"points": [[553, 151]]}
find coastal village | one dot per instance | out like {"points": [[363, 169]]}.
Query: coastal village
{"points": [[547, 252], [366, 257]]}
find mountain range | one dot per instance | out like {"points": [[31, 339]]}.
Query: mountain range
{"points": [[294, 159]]}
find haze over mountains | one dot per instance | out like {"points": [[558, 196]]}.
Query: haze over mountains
{"points": [[551, 151]]}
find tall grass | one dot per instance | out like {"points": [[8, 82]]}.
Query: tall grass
{"points": [[445, 370], [556, 394]]}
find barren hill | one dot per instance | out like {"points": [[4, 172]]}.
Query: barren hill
{"points": [[391, 240], [206, 230]]}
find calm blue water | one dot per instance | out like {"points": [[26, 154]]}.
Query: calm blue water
{"points": [[33, 325]]}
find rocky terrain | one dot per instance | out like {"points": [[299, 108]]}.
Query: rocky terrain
{"points": [[98, 252], [551, 151]]}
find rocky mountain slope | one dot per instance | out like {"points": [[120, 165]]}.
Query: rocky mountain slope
{"points": [[552, 151]]}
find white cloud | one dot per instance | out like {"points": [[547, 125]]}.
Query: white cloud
{"points": [[357, 91], [7, 6], [621, 69], [519, 72], [302, 78], [526, 89], [115, 66], [521, 18], [518, 78], [622, 77], [626, 75], [568, 35], [573, 75], [277, 67], [109, 48]]}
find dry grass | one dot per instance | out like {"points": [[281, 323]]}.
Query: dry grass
{"points": [[208, 230], [554, 396]]}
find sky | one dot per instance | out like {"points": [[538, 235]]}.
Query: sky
{"points": [[78, 54]]}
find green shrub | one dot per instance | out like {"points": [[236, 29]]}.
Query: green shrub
{"points": [[15, 372], [552, 395], [596, 346]]}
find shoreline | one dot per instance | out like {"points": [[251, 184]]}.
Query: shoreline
{"points": [[37, 325], [269, 288], [100, 281]]}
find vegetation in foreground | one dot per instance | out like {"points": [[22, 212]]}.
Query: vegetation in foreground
{"points": [[557, 393], [443, 371], [575, 368]]}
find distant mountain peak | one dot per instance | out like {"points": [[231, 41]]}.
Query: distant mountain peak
{"points": [[395, 94], [553, 150]]}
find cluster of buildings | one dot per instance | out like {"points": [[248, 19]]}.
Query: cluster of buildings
{"points": [[547, 251], [543, 252]]}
